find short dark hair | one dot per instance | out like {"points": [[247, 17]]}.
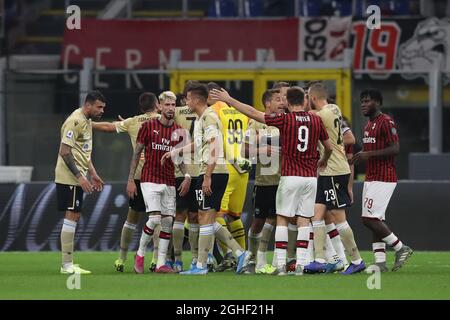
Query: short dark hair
{"points": [[373, 94], [147, 101], [180, 98], [213, 85], [199, 89], [295, 96], [187, 85], [93, 96], [268, 94], [280, 84]]}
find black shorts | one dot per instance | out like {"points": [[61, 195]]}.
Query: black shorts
{"points": [[218, 185], [333, 191], [137, 204], [70, 198], [188, 201], [264, 200]]}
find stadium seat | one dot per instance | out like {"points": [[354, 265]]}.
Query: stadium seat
{"points": [[309, 8], [388, 7], [222, 8], [253, 8]]}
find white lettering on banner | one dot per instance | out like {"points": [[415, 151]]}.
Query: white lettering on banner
{"points": [[99, 66], [163, 63], [199, 52], [133, 58], [74, 20], [230, 58], [71, 79], [323, 39]]}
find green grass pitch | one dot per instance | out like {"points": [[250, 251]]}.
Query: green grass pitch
{"points": [[26, 275]]}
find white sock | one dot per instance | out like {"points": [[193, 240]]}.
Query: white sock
{"points": [[261, 259], [281, 240], [335, 238], [164, 239], [274, 258], [318, 225], [393, 242], [379, 251], [302, 246], [311, 244], [330, 254], [292, 241], [147, 234], [253, 242]]}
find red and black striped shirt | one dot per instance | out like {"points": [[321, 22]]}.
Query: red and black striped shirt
{"points": [[379, 134], [157, 140], [300, 133]]}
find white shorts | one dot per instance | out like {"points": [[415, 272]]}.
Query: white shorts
{"points": [[375, 198], [296, 196], [159, 197]]}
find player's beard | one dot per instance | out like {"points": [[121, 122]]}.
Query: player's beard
{"points": [[168, 116], [97, 117]]}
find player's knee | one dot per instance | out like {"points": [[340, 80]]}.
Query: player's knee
{"points": [[257, 225], [73, 216], [166, 224], [367, 222], [193, 217], [181, 216], [133, 216]]}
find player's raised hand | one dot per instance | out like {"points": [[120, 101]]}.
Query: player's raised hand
{"points": [[184, 186], [85, 184], [97, 182], [131, 189], [221, 95]]}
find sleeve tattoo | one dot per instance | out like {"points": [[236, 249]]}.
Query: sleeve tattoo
{"points": [[66, 153]]}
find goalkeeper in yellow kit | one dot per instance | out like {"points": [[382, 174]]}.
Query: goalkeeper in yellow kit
{"points": [[234, 126]]}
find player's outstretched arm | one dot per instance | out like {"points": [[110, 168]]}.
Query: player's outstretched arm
{"points": [[249, 111], [65, 151], [104, 126]]}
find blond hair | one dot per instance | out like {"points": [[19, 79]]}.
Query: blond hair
{"points": [[167, 95]]}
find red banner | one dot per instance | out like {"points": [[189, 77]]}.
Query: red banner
{"points": [[134, 44]]}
